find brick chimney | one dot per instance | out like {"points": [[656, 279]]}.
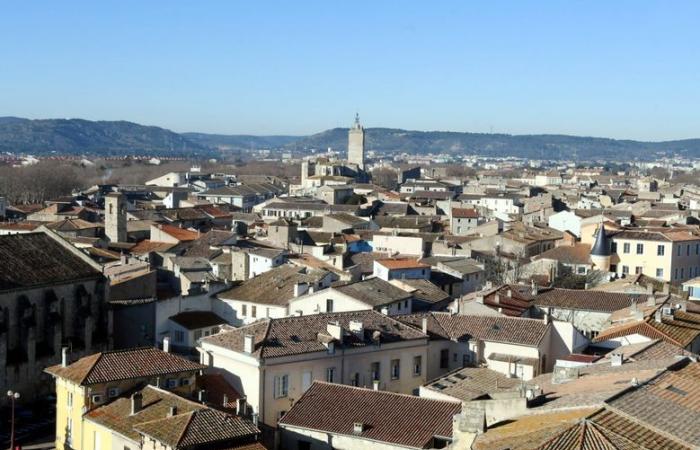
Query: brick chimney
{"points": [[136, 403]]}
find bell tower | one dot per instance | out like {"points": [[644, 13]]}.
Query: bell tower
{"points": [[356, 144], [115, 217]]}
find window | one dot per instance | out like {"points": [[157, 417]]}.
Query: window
{"points": [[444, 358], [355, 379], [626, 247], [697, 249], [640, 249], [244, 310], [638, 270], [682, 272], [678, 251], [197, 334], [330, 374], [687, 250], [184, 381], [70, 399], [417, 365], [171, 383], [113, 392], [613, 247], [660, 250], [303, 445], [376, 376], [179, 336], [253, 311], [395, 369], [281, 386], [675, 273], [659, 273], [329, 305], [625, 270], [454, 357], [581, 270]]}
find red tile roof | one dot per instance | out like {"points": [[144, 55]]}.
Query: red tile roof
{"points": [[397, 419], [178, 233], [403, 263], [127, 364], [465, 213]]}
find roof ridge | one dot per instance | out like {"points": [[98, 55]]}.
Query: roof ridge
{"points": [[382, 392]]}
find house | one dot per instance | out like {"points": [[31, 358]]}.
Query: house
{"points": [[101, 378], [334, 194], [669, 254], [274, 361], [268, 295], [171, 234], [371, 293], [463, 220], [564, 259], [261, 259], [401, 269], [330, 416], [187, 327], [676, 322], [518, 347], [588, 311], [51, 295]]}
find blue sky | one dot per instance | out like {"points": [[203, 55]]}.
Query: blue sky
{"points": [[626, 69]]}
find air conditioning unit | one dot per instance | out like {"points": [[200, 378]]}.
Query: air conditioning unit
{"points": [[172, 383], [185, 382], [113, 392], [667, 311], [96, 398]]}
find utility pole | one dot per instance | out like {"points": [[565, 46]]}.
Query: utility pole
{"points": [[13, 396]]}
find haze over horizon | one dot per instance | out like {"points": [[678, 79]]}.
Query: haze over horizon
{"points": [[624, 70]]}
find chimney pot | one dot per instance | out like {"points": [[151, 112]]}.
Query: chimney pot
{"points": [[166, 344], [375, 385], [172, 411], [616, 359], [424, 324], [358, 427], [202, 396]]}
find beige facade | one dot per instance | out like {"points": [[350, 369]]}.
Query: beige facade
{"points": [[259, 380], [673, 261]]}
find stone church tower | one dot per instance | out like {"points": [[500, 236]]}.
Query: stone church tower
{"points": [[115, 217], [356, 144]]}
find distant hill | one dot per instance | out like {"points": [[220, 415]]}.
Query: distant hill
{"points": [[77, 136], [240, 141], [542, 146]]}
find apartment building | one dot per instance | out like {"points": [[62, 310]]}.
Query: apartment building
{"points": [[274, 361], [669, 254]]}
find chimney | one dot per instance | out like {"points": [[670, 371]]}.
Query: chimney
{"points": [[650, 289], [533, 287], [509, 293], [547, 316], [616, 359], [497, 298], [358, 427], [166, 344], [375, 385], [300, 289], [651, 301], [202, 396], [385, 311], [657, 316], [424, 325], [335, 330], [667, 289], [224, 401], [241, 406], [136, 402], [172, 411], [64, 357], [248, 343]]}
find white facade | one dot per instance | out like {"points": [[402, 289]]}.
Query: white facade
{"points": [[566, 221]]}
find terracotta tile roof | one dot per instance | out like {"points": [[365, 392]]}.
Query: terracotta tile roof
{"points": [[569, 254], [465, 213], [300, 334], [197, 428], [511, 330], [472, 383], [403, 263], [397, 419], [682, 328], [669, 403], [127, 364], [156, 402], [510, 299], [585, 300], [147, 246], [373, 291], [178, 233], [274, 287], [28, 225], [73, 225], [217, 387], [35, 259], [530, 431]]}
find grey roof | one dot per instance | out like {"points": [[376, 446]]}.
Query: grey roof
{"points": [[373, 291], [602, 244]]}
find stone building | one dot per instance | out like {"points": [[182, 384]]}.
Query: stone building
{"points": [[115, 217], [356, 144], [51, 296]]}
